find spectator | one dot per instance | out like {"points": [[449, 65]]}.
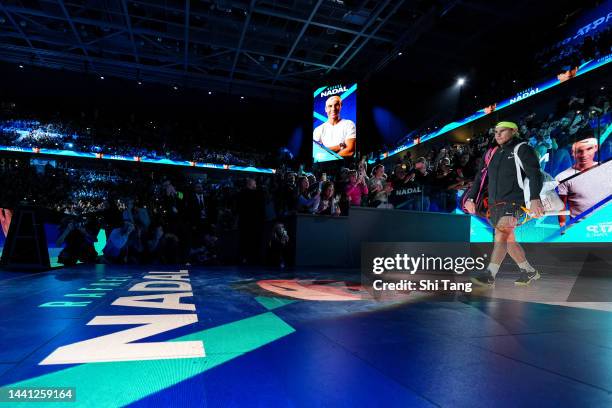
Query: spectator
{"points": [[328, 203], [306, 203], [116, 249], [357, 189], [465, 168], [379, 188]]}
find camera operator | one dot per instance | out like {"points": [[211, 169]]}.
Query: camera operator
{"points": [[78, 237], [278, 246]]}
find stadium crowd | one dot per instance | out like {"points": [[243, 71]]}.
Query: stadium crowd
{"points": [[132, 142], [152, 216]]}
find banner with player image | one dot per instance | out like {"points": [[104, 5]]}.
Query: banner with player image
{"points": [[334, 134], [587, 194], [576, 153]]}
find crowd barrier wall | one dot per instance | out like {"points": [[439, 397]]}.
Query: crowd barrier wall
{"points": [[336, 241]]}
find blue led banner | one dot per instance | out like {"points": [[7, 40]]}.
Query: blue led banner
{"points": [[334, 122], [590, 23], [527, 93], [596, 227], [101, 156]]}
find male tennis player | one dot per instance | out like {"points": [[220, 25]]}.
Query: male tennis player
{"points": [[506, 200]]}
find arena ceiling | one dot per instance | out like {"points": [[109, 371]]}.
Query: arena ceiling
{"points": [[251, 47]]}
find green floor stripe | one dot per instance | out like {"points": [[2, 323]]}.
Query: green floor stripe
{"points": [[122, 383], [272, 303]]}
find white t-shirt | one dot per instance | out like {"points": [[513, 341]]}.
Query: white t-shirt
{"points": [[587, 189], [332, 135]]}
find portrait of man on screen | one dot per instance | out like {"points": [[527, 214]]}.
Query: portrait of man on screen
{"points": [[337, 134]]}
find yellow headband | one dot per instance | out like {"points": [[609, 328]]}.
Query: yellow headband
{"points": [[509, 125]]}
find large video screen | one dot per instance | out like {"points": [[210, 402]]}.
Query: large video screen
{"points": [[573, 72], [586, 191], [334, 130]]}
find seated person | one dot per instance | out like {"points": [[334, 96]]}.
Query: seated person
{"points": [[115, 250]]}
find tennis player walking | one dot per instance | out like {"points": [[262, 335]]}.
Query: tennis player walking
{"points": [[506, 199]]}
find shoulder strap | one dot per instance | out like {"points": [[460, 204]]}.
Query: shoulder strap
{"points": [[489, 155], [484, 172], [519, 164]]}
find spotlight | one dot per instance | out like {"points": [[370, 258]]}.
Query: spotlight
{"points": [[603, 87], [242, 97], [175, 88], [399, 54], [21, 66], [210, 92], [139, 82], [460, 81], [101, 77]]}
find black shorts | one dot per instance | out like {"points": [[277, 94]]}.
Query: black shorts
{"points": [[504, 209]]}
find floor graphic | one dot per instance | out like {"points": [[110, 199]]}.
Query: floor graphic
{"points": [[306, 338]]}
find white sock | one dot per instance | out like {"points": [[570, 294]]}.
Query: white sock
{"points": [[526, 266], [493, 268]]}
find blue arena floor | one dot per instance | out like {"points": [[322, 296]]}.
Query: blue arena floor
{"points": [[293, 339]]}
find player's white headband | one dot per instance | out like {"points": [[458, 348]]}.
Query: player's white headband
{"points": [[591, 141]]}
